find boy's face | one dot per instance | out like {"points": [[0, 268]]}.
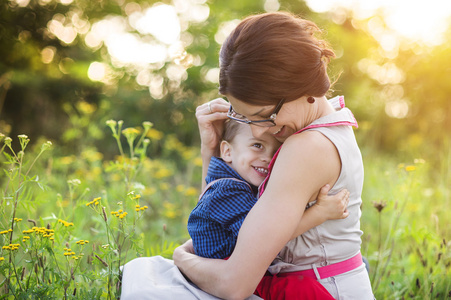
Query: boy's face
{"points": [[249, 156]]}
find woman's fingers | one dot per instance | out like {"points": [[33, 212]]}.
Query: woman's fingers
{"points": [[212, 107], [210, 118]]}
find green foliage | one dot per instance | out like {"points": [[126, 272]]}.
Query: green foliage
{"points": [[407, 239], [74, 247], [80, 231], [56, 84]]}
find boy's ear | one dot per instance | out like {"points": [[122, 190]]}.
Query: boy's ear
{"points": [[226, 151]]}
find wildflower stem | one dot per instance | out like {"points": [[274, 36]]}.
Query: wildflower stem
{"points": [[16, 201], [379, 247], [141, 139], [15, 272], [34, 161], [130, 145]]}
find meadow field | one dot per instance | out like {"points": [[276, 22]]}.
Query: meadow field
{"points": [[82, 193], [69, 222]]}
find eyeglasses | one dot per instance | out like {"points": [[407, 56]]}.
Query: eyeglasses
{"points": [[261, 123]]}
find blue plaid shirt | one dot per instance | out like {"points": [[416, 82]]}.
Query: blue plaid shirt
{"points": [[216, 220]]}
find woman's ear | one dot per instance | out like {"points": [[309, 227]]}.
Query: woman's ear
{"points": [[225, 148]]}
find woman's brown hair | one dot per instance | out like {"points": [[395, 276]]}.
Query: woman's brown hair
{"points": [[274, 56]]}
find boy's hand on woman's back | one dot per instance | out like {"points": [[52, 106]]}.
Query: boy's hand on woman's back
{"points": [[334, 206]]}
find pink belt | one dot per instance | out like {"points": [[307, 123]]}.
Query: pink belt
{"points": [[329, 270]]}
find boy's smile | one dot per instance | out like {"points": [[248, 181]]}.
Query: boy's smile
{"points": [[249, 156]]}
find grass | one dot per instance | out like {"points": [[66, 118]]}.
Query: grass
{"points": [[68, 222]]}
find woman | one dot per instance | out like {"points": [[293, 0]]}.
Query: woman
{"points": [[273, 71]]}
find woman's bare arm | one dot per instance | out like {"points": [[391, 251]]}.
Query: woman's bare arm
{"points": [[306, 162]]}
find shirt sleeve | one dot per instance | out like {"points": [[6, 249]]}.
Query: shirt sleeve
{"points": [[231, 203]]}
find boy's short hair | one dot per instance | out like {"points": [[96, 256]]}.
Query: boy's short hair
{"points": [[230, 130]]}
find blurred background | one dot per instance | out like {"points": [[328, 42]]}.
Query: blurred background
{"points": [[67, 66]]}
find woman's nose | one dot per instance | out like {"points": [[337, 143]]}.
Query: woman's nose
{"points": [[258, 131]]}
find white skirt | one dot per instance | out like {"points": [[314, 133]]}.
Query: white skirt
{"points": [[146, 278]]}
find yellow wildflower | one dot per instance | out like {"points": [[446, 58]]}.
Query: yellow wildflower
{"points": [[191, 191], [154, 134], [198, 162], [86, 107], [130, 131], [67, 160], [410, 168], [2, 258], [162, 173], [95, 201], [180, 188], [65, 223], [170, 214]]}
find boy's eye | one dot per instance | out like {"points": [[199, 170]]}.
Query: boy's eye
{"points": [[257, 145]]}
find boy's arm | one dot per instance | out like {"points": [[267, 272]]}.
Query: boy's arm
{"points": [[326, 208]]}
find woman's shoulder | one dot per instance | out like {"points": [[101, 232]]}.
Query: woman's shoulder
{"points": [[309, 152], [309, 140]]}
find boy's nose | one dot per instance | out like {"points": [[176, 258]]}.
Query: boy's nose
{"points": [[266, 158]]}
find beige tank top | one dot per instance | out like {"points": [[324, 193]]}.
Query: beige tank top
{"points": [[334, 240]]}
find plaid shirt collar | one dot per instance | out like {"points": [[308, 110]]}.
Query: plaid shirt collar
{"points": [[218, 168]]}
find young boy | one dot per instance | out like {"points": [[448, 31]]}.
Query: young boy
{"points": [[231, 191]]}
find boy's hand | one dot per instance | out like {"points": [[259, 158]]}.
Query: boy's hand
{"points": [[326, 208], [332, 207]]}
